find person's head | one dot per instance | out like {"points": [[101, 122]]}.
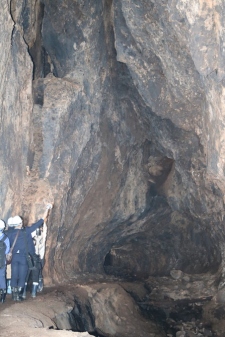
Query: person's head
{"points": [[2, 225], [16, 221]]}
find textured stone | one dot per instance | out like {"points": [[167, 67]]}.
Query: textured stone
{"points": [[124, 131], [109, 310], [16, 107]]}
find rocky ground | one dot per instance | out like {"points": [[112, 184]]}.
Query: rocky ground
{"points": [[35, 317], [159, 308]]}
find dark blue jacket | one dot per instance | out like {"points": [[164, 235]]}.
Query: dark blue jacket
{"points": [[25, 234]]}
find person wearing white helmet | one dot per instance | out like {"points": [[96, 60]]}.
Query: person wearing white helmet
{"points": [[35, 275], [4, 249], [23, 246], [39, 237], [9, 227]]}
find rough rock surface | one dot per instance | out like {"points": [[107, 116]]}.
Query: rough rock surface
{"points": [[117, 133], [115, 111], [43, 316], [109, 310], [172, 307]]}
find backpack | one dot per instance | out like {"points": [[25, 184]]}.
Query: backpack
{"points": [[2, 251]]}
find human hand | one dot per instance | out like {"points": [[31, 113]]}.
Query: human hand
{"points": [[49, 206]]}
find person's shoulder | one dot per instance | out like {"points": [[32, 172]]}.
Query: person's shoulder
{"points": [[4, 236], [8, 231]]}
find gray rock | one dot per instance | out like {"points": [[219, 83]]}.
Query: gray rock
{"points": [[180, 334], [176, 274]]}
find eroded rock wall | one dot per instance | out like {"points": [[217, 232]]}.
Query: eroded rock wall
{"points": [[16, 107], [125, 133]]}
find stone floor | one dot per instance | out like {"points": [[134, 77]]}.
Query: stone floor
{"points": [[36, 317]]}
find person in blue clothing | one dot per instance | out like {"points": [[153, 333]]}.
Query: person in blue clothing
{"points": [[5, 239], [23, 245]]}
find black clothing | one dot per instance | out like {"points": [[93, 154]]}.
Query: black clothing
{"points": [[20, 246], [19, 266]]}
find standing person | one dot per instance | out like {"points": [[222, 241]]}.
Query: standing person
{"points": [[39, 239], [4, 249], [8, 267], [24, 245]]}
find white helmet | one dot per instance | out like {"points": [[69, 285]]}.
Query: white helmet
{"points": [[2, 224], [9, 222], [16, 221]]}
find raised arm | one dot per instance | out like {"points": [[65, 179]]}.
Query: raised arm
{"points": [[46, 212], [40, 222]]}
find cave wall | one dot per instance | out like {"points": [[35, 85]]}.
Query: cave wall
{"points": [[117, 112], [16, 106]]}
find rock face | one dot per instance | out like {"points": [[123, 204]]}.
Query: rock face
{"points": [[44, 317], [108, 310], [115, 110], [16, 106]]}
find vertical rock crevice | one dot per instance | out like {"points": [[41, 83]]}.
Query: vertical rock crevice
{"points": [[28, 17]]}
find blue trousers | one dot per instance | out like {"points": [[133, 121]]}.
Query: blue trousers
{"points": [[19, 269], [2, 278]]}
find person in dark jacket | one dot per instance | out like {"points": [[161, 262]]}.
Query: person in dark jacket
{"points": [[35, 275], [23, 245]]}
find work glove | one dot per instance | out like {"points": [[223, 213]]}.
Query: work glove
{"points": [[49, 206]]}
